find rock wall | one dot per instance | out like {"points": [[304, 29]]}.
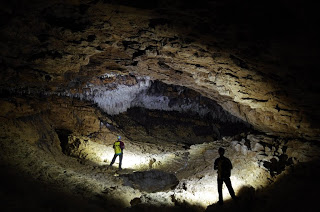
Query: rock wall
{"points": [[250, 65], [38, 120]]}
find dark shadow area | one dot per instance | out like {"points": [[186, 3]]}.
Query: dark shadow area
{"points": [[20, 192], [296, 191], [264, 18], [183, 115], [167, 126], [146, 208], [63, 135]]}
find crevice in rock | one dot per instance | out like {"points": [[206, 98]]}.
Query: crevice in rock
{"points": [[239, 62], [277, 165], [255, 100], [232, 75], [138, 53], [63, 135], [283, 109]]}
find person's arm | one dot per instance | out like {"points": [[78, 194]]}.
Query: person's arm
{"points": [[122, 145], [230, 164], [215, 167]]}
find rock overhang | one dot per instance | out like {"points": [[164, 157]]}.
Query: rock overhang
{"points": [[245, 70]]}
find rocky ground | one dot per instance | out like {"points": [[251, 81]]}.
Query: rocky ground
{"points": [[45, 174]]}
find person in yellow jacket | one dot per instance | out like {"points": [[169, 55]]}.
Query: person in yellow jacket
{"points": [[118, 147]]}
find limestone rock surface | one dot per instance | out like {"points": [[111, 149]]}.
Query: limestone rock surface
{"points": [[260, 70]]}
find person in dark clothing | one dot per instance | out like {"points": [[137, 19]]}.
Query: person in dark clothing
{"points": [[118, 147], [224, 166]]}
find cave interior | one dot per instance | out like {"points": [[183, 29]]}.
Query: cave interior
{"points": [[176, 80]]}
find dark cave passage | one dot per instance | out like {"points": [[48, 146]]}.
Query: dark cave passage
{"points": [[171, 113], [63, 135], [155, 126]]}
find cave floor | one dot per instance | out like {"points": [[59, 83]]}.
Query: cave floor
{"points": [[40, 180]]}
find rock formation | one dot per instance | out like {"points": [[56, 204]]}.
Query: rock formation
{"points": [[176, 79], [56, 47]]}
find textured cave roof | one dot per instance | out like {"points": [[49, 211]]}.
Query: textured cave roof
{"points": [[256, 59]]}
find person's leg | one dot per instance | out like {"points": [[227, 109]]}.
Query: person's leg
{"points": [[113, 159], [120, 160], [220, 181], [227, 181]]}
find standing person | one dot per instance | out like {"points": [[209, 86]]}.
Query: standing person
{"points": [[118, 147], [224, 166]]}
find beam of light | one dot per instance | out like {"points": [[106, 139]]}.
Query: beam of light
{"points": [[103, 155], [131, 161], [200, 191], [204, 192], [135, 160]]}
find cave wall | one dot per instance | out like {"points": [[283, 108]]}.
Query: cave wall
{"points": [[41, 121], [21, 121], [259, 70]]}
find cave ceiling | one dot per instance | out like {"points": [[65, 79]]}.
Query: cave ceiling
{"points": [[256, 60]]}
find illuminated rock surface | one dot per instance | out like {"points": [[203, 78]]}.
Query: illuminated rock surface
{"points": [[176, 80], [257, 69]]}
